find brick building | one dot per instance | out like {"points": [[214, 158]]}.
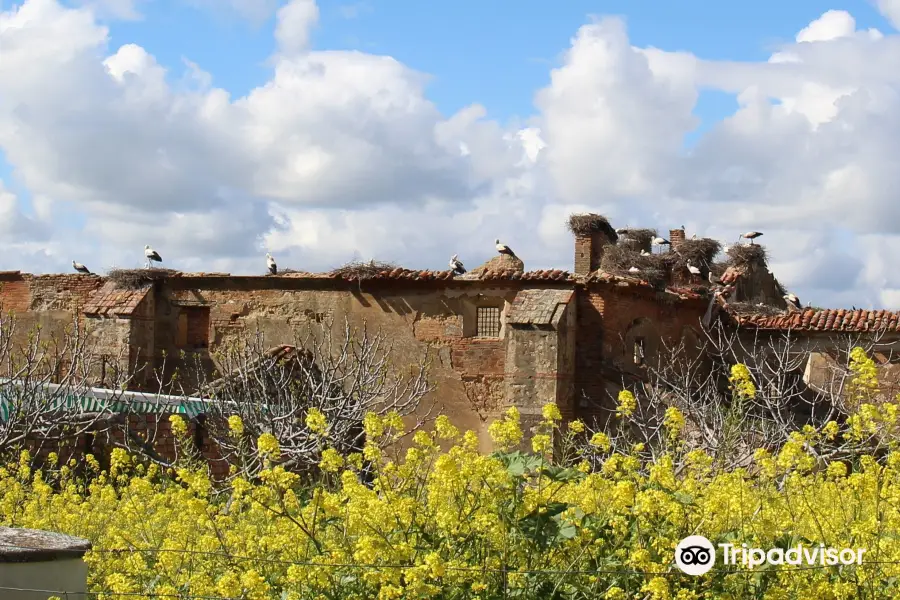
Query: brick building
{"points": [[501, 335]]}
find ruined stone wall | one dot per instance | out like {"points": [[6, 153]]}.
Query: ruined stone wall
{"points": [[47, 304], [49, 300], [468, 371], [610, 318]]}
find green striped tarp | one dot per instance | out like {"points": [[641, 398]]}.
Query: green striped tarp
{"points": [[93, 400]]}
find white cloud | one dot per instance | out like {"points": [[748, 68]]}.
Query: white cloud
{"points": [[341, 154], [891, 11], [294, 23], [832, 25]]}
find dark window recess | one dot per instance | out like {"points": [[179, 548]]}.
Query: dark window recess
{"points": [[488, 322], [199, 432], [193, 327], [639, 351]]}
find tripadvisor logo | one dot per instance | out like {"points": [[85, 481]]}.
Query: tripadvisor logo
{"points": [[695, 555]]}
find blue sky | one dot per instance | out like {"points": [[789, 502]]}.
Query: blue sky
{"points": [[495, 53]]}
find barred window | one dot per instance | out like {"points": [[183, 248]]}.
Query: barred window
{"points": [[488, 322]]}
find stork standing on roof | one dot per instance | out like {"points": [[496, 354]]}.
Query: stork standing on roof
{"points": [[151, 255], [503, 248], [793, 301], [80, 268], [660, 241], [456, 265], [622, 230], [271, 264], [695, 271], [751, 235]]}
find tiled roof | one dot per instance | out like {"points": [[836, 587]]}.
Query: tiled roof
{"points": [[823, 320], [637, 282], [537, 307], [110, 300], [400, 274]]}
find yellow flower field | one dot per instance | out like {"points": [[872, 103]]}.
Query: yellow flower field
{"points": [[445, 521]]}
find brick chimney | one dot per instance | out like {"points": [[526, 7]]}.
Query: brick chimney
{"points": [[592, 233], [676, 236], [589, 251]]}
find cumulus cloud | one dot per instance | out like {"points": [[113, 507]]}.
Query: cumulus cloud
{"points": [[341, 155], [295, 21]]}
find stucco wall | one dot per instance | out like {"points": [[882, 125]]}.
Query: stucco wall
{"points": [[64, 575]]}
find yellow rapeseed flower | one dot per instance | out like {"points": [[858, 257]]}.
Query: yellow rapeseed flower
{"points": [[315, 420]]}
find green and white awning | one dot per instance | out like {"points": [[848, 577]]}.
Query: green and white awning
{"points": [[95, 400]]}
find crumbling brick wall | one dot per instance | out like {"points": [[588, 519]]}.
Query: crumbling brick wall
{"points": [[603, 360]]}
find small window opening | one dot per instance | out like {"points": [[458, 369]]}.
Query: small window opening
{"points": [[193, 328], [639, 351], [488, 322]]}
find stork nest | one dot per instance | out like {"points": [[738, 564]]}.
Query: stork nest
{"points": [[642, 238], [133, 279], [362, 270], [700, 253], [589, 223], [617, 260], [742, 255], [750, 308]]}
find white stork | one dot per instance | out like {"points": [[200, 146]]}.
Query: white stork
{"points": [[622, 230], [503, 248], [694, 270], [80, 268], [270, 263], [793, 300], [713, 280], [751, 235], [456, 265], [151, 255], [660, 241], [634, 270], [644, 253]]}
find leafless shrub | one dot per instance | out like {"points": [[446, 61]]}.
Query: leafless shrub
{"points": [[729, 427], [45, 382], [362, 270], [343, 372], [132, 279]]}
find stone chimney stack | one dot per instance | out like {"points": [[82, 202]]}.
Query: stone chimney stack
{"points": [[676, 236], [592, 234]]}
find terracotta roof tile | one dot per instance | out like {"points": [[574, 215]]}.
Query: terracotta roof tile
{"points": [[110, 300], [495, 275], [823, 320]]}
